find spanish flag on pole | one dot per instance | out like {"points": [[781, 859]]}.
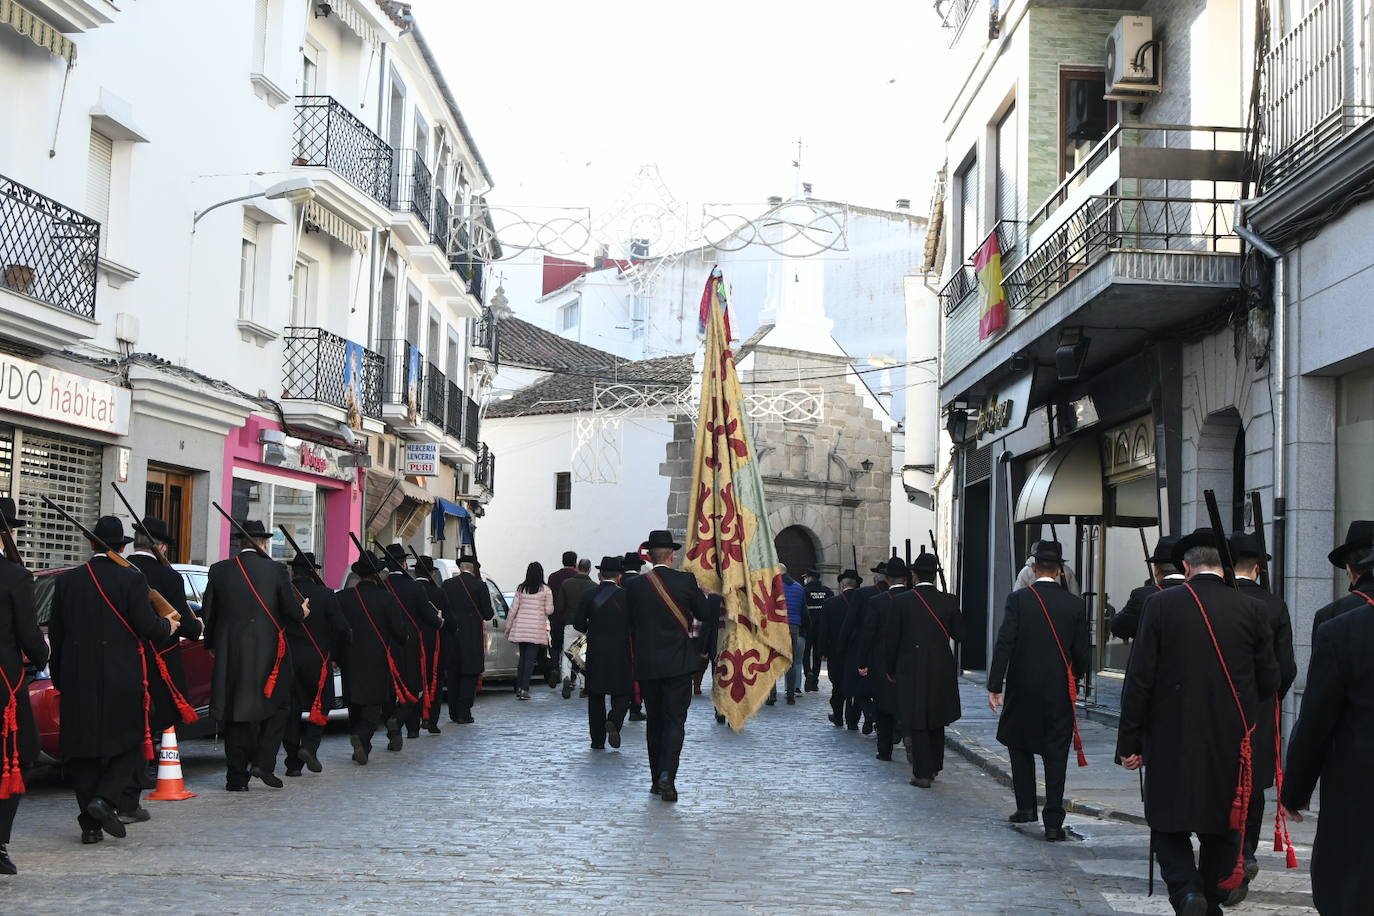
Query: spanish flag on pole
{"points": [[992, 298]]}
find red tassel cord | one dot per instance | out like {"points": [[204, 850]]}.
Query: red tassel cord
{"points": [[424, 666], [271, 685], [11, 779], [317, 715], [433, 675], [185, 710], [142, 663], [1073, 681], [398, 683], [1282, 841]]}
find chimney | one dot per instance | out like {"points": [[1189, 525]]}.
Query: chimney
{"points": [[904, 203], [806, 189], [775, 201]]}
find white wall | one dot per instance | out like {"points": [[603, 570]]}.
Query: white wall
{"points": [[521, 524]]}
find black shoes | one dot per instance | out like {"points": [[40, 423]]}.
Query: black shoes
{"points": [[105, 815], [772, 699], [598, 747], [466, 720], [636, 715], [868, 727], [293, 772], [1023, 817], [612, 733], [234, 787], [551, 678], [359, 751], [1192, 904], [791, 698], [666, 790], [7, 866], [268, 779], [887, 758], [656, 789], [413, 734], [1055, 834], [522, 694], [91, 837], [433, 729], [720, 718], [921, 782], [312, 763], [567, 688], [137, 816]]}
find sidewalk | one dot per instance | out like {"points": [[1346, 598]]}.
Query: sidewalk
{"points": [[1101, 789]]}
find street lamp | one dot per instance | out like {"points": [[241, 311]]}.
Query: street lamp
{"points": [[293, 190]]}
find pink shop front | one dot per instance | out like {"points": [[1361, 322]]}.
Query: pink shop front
{"points": [[313, 490]]}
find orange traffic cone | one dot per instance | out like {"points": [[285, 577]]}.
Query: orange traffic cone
{"points": [[170, 786]]}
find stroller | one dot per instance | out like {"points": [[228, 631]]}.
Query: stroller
{"points": [[576, 654]]}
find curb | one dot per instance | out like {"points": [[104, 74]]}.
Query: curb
{"points": [[999, 768]]}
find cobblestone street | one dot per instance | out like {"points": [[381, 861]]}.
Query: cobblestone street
{"points": [[515, 813]]}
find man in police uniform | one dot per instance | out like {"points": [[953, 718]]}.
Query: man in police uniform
{"points": [[817, 593], [662, 605]]}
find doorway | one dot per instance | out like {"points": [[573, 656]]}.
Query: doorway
{"points": [[168, 496], [973, 583], [796, 550]]}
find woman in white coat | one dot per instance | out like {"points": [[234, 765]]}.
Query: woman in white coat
{"points": [[528, 624]]}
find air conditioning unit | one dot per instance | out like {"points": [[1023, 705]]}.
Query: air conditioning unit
{"points": [[1131, 55]]}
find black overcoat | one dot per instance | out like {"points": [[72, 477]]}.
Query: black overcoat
{"points": [[1177, 710], [855, 650], [1281, 635], [662, 645], [833, 614], [414, 604], [1333, 741], [163, 712], [708, 643], [19, 633], [329, 630], [243, 636], [378, 625], [920, 658], [1126, 621], [469, 601], [95, 659], [1343, 604], [601, 614], [1027, 667], [432, 625], [875, 636]]}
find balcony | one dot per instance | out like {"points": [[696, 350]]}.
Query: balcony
{"points": [[412, 198], [350, 165], [404, 392], [484, 474], [443, 223], [486, 338], [453, 412], [328, 380], [48, 255], [436, 387], [1137, 240], [472, 418], [954, 15]]}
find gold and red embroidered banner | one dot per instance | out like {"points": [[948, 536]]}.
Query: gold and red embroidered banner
{"points": [[729, 543]]}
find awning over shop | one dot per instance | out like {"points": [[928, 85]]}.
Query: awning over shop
{"points": [[333, 225], [388, 496], [37, 30], [1067, 482], [443, 509]]}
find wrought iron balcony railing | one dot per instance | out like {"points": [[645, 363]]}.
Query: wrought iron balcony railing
{"points": [[461, 260], [957, 288], [954, 15], [453, 411], [485, 474], [472, 418], [403, 381], [328, 134], [1310, 100], [48, 251], [486, 335], [321, 366], [477, 281], [436, 387], [412, 190], [443, 222]]}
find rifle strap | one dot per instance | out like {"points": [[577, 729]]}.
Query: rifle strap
{"points": [[943, 628], [317, 715], [424, 662], [1073, 681], [398, 683], [667, 599], [142, 663], [271, 683]]}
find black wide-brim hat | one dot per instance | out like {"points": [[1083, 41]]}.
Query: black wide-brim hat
{"points": [[111, 530], [305, 561], [896, 568], [631, 561], [395, 552], [609, 565], [1247, 547], [366, 565], [11, 512], [925, 564], [426, 564], [880, 569], [661, 539], [1202, 537], [849, 574], [254, 529], [1164, 550], [157, 530], [1048, 552], [1359, 536]]}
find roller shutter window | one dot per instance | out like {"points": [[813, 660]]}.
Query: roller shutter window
{"points": [[1007, 187], [260, 17], [67, 471], [968, 210], [248, 269], [99, 173]]}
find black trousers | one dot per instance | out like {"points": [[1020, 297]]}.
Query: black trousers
{"points": [[665, 702], [928, 753], [856, 706], [811, 658], [1216, 858], [102, 777], [556, 634], [300, 732], [597, 715], [837, 703], [1254, 823], [462, 689], [363, 720], [885, 724], [253, 744], [8, 808], [1023, 782]]}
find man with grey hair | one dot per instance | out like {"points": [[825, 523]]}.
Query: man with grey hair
{"points": [[469, 600], [1203, 659]]}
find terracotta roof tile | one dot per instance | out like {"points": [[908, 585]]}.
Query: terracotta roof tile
{"points": [[530, 346], [572, 391]]}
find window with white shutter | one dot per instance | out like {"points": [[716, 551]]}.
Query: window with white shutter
{"points": [[260, 23], [248, 269], [99, 176]]}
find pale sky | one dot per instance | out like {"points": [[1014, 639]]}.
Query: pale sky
{"points": [[568, 100]]}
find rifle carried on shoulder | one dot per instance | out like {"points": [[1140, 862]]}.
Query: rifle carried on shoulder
{"points": [[1257, 513], [138, 523], [247, 538], [939, 567], [155, 598], [312, 572], [1228, 564], [11, 548]]}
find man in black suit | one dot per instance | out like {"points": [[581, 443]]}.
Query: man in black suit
{"points": [[662, 604], [876, 631], [1202, 661], [166, 672], [469, 604], [101, 618], [817, 594], [412, 657], [602, 615], [1247, 554], [858, 690], [920, 659], [18, 633], [1350, 556], [1044, 631], [1166, 575], [371, 671], [833, 614], [630, 565], [431, 629], [1331, 742], [315, 644], [249, 603]]}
